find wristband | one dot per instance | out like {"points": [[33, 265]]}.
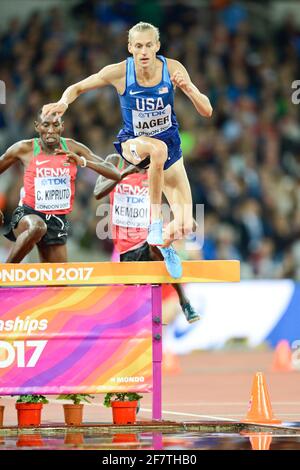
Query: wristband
{"points": [[83, 162]]}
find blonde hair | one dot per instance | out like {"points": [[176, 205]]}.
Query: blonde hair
{"points": [[140, 28]]}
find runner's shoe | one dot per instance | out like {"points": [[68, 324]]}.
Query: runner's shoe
{"points": [[172, 261], [190, 313]]}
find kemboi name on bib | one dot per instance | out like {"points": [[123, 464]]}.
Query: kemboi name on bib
{"points": [[131, 210]]}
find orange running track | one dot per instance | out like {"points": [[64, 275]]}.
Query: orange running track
{"points": [[211, 386]]}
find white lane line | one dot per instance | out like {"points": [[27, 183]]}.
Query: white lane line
{"points": [[277, 414], [223, 417], [228, 403], [166, 412]]}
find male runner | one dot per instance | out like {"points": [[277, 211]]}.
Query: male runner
{"points": [[145, 84], [50, 168], [130, 213]]}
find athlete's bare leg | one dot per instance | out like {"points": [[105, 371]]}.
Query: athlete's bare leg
{"points": [[53, 253], [29, 232], [178, 193], [136, 150], [177, 190], [174, 182]]}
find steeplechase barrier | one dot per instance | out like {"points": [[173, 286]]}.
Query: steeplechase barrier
{"points": [[89, 327]]}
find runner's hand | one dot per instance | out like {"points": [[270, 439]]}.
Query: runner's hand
{"points": [[129, 171], [1, 218], [180, 81], [71, 157], [54, 108]]}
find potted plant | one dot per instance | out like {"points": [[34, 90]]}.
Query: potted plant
{"points": [[74, 413], [124, 406], [29, 408]]}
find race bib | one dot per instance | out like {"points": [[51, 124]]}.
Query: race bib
{"points": [[52, 193], [131, 211], [151, 122]]}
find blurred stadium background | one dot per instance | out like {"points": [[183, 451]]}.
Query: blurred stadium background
{"points": [[243, 163]]}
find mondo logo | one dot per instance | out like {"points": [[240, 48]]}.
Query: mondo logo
{"points": [[127, 379]]}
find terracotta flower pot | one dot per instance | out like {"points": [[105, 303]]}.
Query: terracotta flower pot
{"points": [[73, 414], [124, 412], [30, 440], [1, 415], [29, 414]]}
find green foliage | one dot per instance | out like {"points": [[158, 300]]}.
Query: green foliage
{"points": [[32, 399], [128, 396], [76, 398]]}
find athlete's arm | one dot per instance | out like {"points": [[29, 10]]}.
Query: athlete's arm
{"points": [[109, 75], [90, 160], [13, 154], [103, 185], [181, 79]]}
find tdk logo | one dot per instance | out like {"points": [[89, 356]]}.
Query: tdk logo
{"points": [[54, 181]]}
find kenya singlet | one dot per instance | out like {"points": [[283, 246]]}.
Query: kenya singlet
{"points": [[130, 212], [148, 110], [49, 181]]}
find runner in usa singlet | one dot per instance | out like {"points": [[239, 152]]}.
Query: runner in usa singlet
{"points": [[149, 137], [49, 181], [148, 110]]}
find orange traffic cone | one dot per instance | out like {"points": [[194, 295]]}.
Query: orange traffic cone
{"points": [[259, 440], [260, 408], [282, 357], [170, 363]]}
